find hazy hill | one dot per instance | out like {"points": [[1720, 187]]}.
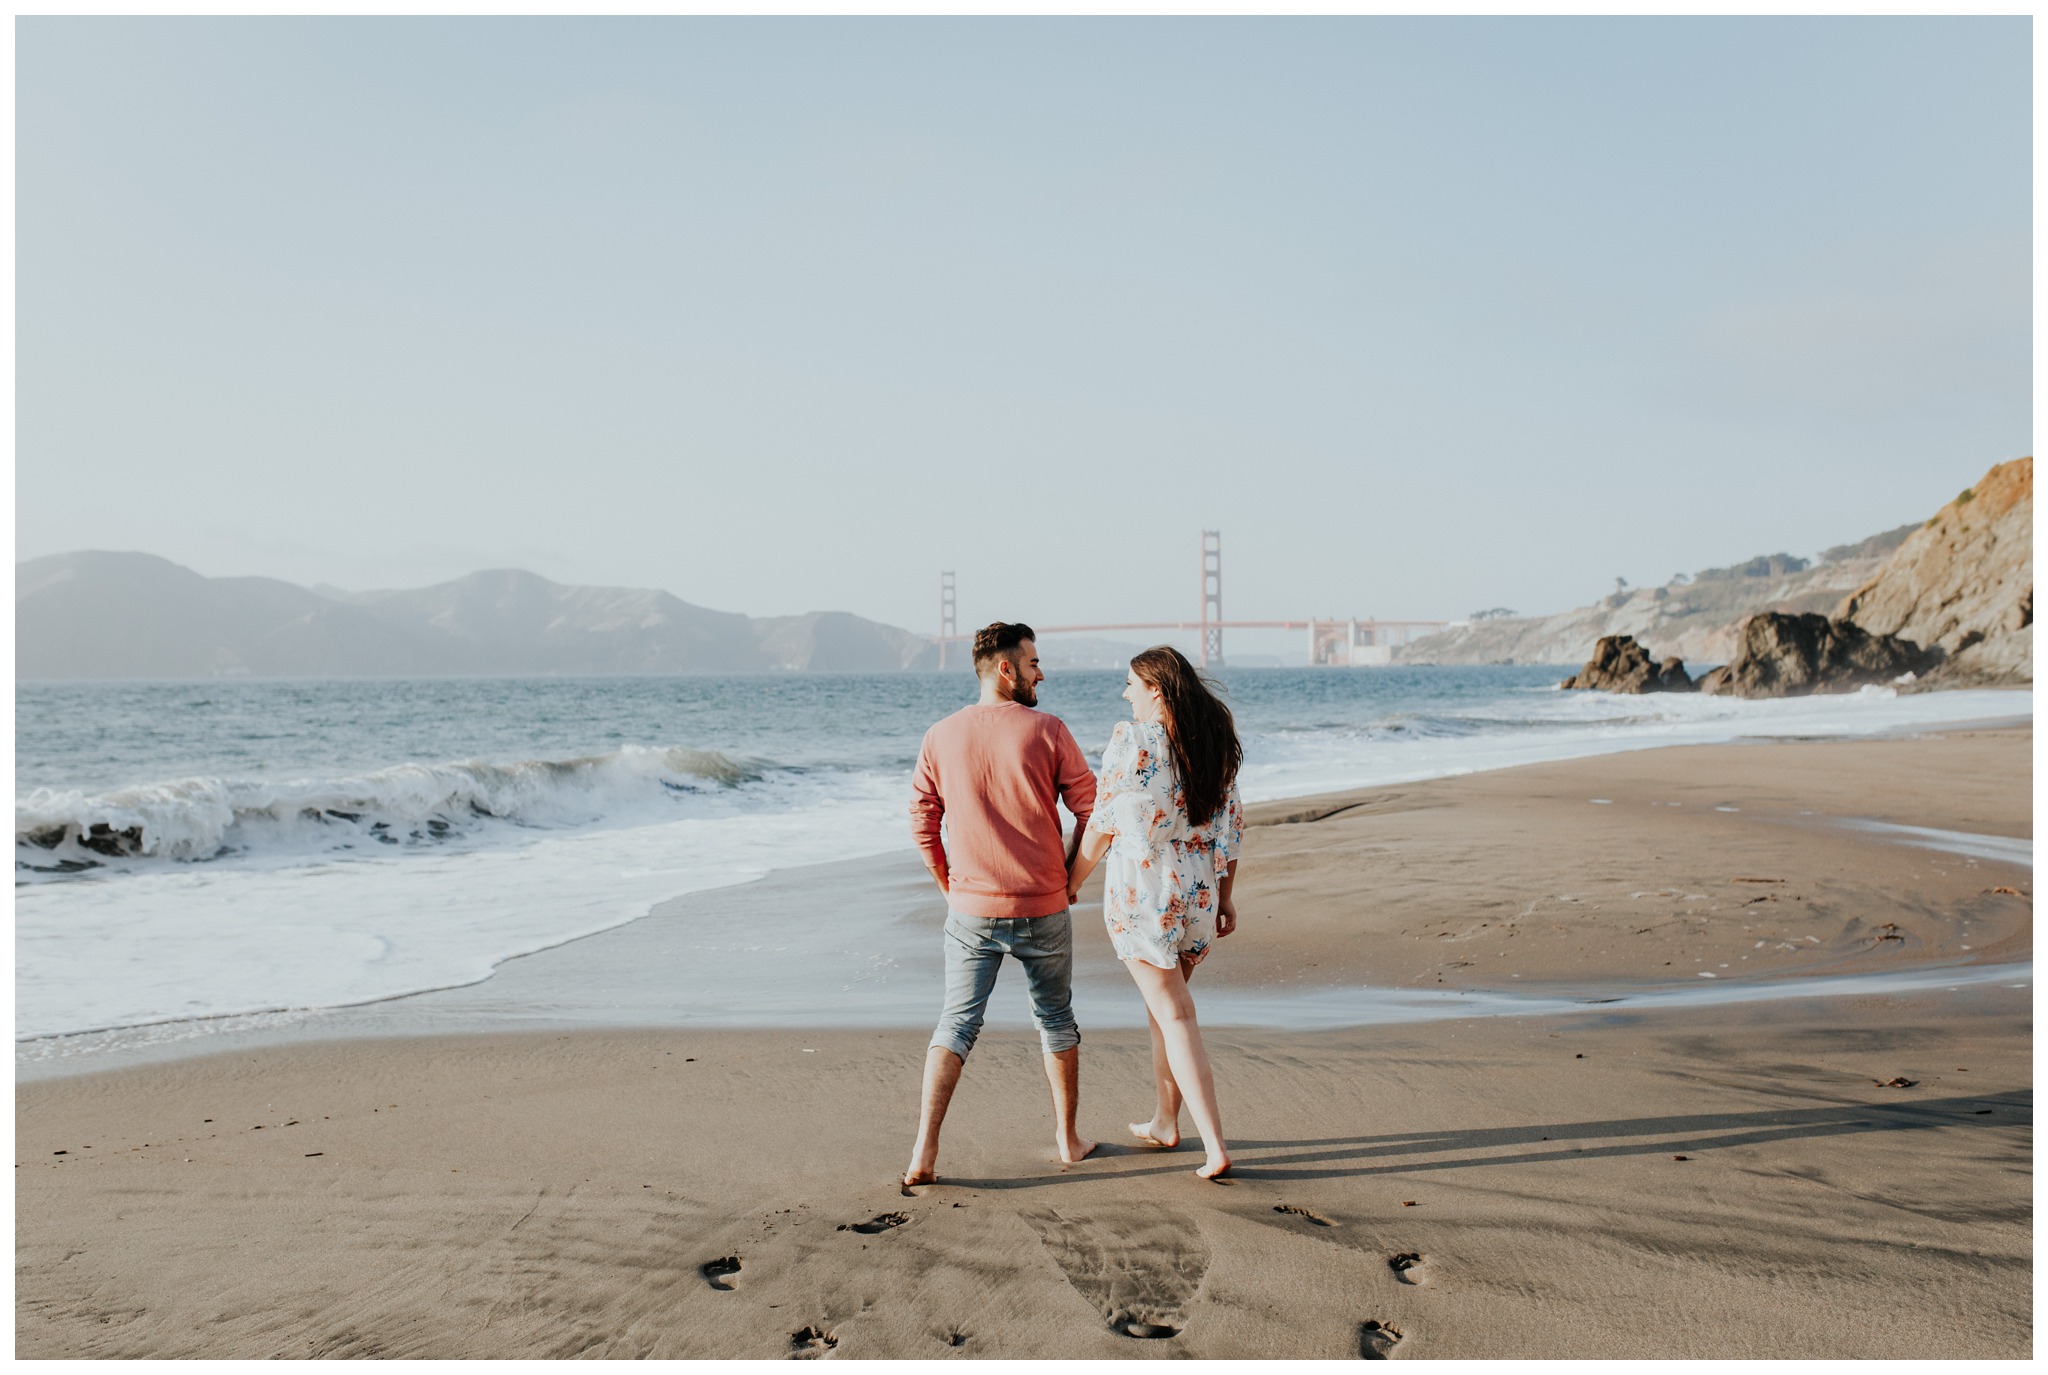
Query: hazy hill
{"points": [[104, 615], [843, 643], [109, 615], [508, 621], [1694, 617]]}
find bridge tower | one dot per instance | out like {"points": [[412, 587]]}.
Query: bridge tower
{"points": [[1212, 599], [949, 617]]}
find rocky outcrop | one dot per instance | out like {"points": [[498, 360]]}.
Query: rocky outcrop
{"points": [[1964, 584], [1961, 585], [1694, 616], [1619, 664], [1793, 656]]}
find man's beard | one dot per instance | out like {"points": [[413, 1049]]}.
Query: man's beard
{"points": [[1025, 696]]}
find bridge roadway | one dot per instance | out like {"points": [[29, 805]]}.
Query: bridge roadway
{"points": [[1307, 623]]}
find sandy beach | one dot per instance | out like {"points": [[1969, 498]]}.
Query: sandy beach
{"points": [[1813, 1176]]}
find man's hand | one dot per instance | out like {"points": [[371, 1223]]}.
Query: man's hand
{"points": [[944, 880], [1226, 917]]}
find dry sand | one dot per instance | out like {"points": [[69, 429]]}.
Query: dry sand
{"points": [[1519, 876], [1480, 1188]]}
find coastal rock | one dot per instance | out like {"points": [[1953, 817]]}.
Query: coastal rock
{"points": [[1619, 664], [1963, 584], [1792, 656], [1694, 616]]}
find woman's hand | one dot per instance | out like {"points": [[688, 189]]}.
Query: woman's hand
{"points": [[1089, 848], [1226, 917]]}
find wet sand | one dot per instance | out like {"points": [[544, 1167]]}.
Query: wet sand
{"points": [[560, 1193]]}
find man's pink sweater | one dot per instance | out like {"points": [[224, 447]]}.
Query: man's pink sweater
{"points": [[996, 776]]}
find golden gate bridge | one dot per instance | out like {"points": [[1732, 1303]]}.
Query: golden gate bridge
{"points": [[1332, 641]]}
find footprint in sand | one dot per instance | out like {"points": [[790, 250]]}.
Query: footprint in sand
{"points": [[1377, 1340], [1138, 1266], [881, 1222], [1409, 1268], [1306, 1214], [718, 1273], [811, 1343]]}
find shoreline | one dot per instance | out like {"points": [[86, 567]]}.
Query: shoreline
{"points": [[499, 1172], [892, 891]]}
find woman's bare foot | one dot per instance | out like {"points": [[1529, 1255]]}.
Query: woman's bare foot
{"points": [[1075, 1150], [921, 1172], [1215, 1167], [1152, 1134]]}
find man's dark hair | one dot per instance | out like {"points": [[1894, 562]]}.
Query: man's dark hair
{"points": [[996, 639]]}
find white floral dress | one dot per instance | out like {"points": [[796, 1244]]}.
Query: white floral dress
{"points": [[1159, 880]]}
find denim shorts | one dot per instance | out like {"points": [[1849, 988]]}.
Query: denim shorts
{"points": [[975, 947]]}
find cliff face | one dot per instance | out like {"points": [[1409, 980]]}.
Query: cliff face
{"points": [[1964, 583]]}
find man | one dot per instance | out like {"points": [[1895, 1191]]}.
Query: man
{"points": [[995, 773]]}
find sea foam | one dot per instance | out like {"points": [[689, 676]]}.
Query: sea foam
{"points": [[63, 832]]}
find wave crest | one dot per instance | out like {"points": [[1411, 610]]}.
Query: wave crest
{"points": [[58, 832]]}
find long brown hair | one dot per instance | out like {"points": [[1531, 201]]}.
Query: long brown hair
{"points": [[1199, 727]]}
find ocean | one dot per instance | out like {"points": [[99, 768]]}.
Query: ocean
{"points": [[187, 852]]}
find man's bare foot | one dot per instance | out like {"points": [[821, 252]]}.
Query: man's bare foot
{"points": [[920, 1174], [1075, 1151], [1152, 1134], [1215, 1167]]}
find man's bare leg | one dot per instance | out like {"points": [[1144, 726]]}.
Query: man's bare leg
{"points": [[1063, 1072], [941, 1074]]}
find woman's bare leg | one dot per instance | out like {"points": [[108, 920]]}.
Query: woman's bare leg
{"points": [[1173, 1011], [1164, 1128]]}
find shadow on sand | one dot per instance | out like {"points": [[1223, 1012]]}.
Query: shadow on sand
{"points": [[1543, 1143]]}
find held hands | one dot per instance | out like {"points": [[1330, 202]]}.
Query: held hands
{"points": [[1087, 851]]}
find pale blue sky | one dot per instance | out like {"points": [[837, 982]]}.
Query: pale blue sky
{"points": [[1426, 315]]}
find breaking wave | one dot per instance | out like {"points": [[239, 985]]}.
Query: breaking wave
{"points": [[193, 819]]}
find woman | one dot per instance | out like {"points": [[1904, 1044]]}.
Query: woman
{"points": [[1167, 814]]}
